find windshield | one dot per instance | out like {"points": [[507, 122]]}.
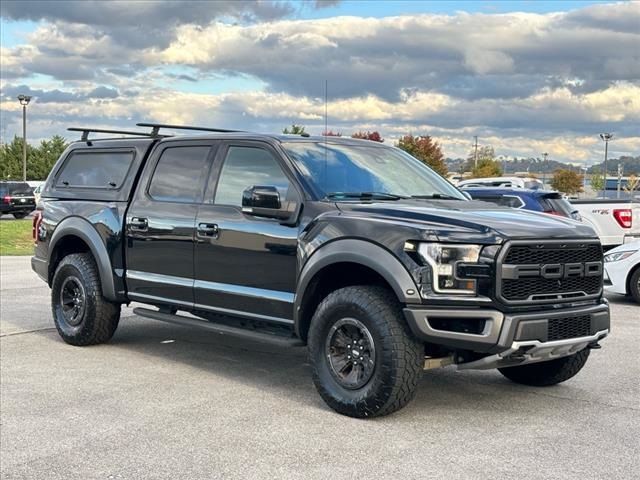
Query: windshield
{"points": [[360, 169]]}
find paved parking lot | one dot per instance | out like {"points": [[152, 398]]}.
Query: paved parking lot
{"points": [[162, 401]]}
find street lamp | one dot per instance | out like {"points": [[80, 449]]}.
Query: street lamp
{"points": [[24, 101], [544, 169], [605, 137]]}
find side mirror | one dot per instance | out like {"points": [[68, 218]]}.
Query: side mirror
{"points": [[264, 201]]}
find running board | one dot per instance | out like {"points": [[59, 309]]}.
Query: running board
{"points": [[219, 328]]}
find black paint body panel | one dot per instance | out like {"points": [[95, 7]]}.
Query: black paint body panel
{"points": [[258, 266]]}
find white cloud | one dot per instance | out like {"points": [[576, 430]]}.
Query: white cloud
{"points": [[523, 82]]}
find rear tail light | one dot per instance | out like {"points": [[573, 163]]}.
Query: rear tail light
{"points": [[6, 199], [623, 217], [555, 212], [35, 226]]}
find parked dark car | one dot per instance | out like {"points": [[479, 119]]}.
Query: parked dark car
{"points": [[351, 247], [16, 198], [535, 200]]}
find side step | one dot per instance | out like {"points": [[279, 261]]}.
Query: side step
{"points": [[219, 328]]}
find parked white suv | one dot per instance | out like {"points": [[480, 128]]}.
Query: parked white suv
{"points": [[622, 270]]}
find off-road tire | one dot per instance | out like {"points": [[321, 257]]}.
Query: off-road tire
{"points": [[399, 356], [99, 318], [19, 215], [548, 373], [634, 285]]}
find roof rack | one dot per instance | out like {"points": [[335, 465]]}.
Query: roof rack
{"points": [[87, 131], [155, 128]]}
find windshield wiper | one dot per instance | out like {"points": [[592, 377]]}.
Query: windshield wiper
{"points": [[364, 195], [438, 196]]}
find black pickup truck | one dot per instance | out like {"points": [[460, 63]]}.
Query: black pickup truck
{"points": [[353, 248]]}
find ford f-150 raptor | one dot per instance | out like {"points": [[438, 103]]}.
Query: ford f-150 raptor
{"points": [[351, 247]]}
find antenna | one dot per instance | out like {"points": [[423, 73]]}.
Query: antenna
{"points": [[326, 125]]}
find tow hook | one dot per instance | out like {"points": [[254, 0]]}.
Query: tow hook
{"points": [[594, 346]]}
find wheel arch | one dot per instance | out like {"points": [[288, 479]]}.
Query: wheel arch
{"points": [[353, 260], [627, 282], [71, 236]]}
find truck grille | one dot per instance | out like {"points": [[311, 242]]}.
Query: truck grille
{"points": [[569, 327], [521, 254], [537, 289]]}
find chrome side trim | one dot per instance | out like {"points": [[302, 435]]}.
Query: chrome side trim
{"points": [[244, 291], [159, 278], [241, 290], [144, 298], [533, 351], [239, 313]]}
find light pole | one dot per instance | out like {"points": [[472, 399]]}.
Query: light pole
{"points": [[24, 101], [544, 169], [605, 137]]}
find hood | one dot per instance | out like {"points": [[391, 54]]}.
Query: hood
{"points": [[457, 220]]}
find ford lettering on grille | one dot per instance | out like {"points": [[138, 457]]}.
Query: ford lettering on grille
{"points": [[553, 270], [549, 272]]}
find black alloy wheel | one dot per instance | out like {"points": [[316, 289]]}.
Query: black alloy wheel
{"points": [[351, 353]]}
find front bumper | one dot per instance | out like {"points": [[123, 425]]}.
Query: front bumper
{"points": [[505, 334]]}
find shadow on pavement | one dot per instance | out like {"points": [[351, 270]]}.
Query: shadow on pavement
{"points": [[286, 372]]}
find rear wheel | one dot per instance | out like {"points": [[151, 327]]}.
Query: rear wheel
{"points": [[81, 314], [634, 285], [365, 360], [548, 373]]}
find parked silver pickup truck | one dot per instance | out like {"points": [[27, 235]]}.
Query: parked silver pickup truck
{"points": [[615, 221]]}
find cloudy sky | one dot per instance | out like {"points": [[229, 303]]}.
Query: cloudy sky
{"points": [[525, 77]]}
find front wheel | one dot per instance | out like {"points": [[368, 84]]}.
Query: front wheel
{"points": [[81, 314], [365, 360], [544, 374]]}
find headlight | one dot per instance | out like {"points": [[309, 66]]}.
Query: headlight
{"points": [[615, 257], [443, 260]]}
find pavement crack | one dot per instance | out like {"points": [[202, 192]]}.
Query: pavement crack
{"points": [[584, 400], [24, 332]]}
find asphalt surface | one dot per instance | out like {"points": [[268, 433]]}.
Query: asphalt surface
{"points": [[162, 401]]}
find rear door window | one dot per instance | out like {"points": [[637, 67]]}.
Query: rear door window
{"points": [[180, 174], [95, 169]]}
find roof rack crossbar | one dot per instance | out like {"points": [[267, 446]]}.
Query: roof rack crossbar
{"points": [[157, 126], [87, 131]]}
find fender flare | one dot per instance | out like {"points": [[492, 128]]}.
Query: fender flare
{"points": [[362, 252], [87, 233]]}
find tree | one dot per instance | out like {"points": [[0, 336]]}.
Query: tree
{"points": [[373, 136], [40, 159], [566, 181], [331, 133], [294, 129], [597, 180], [425, 149], [633, 185], [487, 168], [487, 165]]}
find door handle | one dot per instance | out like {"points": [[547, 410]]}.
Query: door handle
{"points": [[139, 224], [208, 230]]}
